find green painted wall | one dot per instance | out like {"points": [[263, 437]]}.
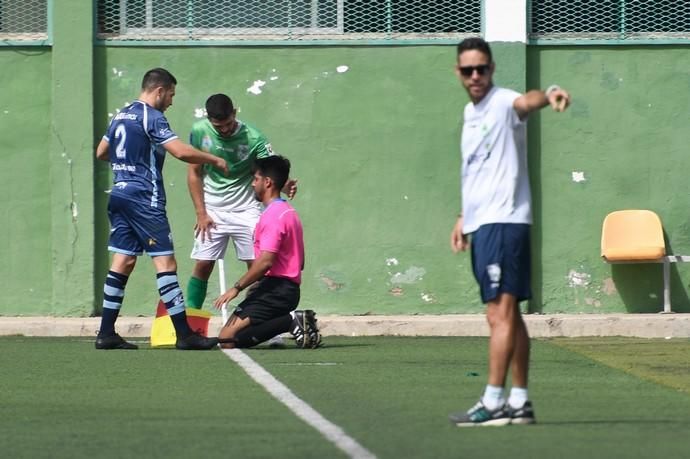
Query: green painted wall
{"points": [[71, 161], [627, 132], [376, 151], [25, 207]]}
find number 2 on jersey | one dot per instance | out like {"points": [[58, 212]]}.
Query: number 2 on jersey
{"points": [[120, 137]]}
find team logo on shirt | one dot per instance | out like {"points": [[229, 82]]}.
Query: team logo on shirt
{"points": [[242, 152], [206, 143], [269, 149]]}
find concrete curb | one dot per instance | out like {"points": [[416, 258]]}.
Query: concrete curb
{"points": [[540, 326]]}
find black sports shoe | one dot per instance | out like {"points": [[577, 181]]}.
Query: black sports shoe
{"points": [[305, 330], [196, 342], [312, 329], [298, 329], [113, 341], [479, 415], [523, 415]]}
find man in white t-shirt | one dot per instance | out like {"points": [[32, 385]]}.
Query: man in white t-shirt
{"points": [[497, 215]]}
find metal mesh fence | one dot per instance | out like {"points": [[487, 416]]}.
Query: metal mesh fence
{"points": [[608, 20], [298, 21], [23, 20]]}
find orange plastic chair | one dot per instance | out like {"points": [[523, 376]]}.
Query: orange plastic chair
{"points": [[632, 235], [637, 236]]}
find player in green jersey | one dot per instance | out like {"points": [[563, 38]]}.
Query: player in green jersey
{"points": [[225, 206]]}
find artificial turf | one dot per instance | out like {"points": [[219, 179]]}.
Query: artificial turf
{"points": [[62, 398]]}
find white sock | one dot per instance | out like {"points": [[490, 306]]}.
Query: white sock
{"points": [[493, 397], [518, 397]]}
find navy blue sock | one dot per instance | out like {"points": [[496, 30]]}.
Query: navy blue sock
{"points": [[171, 294], [113, 294]]}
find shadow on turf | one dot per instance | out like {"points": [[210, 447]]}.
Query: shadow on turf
{"points": [[616, 421], [291, 347], [145, 344]]}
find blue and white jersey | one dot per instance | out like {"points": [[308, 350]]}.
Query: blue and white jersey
{"points": [[136, 136]]}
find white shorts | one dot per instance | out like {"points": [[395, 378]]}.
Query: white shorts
{"points": [[235, 225]]}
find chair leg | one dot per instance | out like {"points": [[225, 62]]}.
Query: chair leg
{"points": [[667, 286]]}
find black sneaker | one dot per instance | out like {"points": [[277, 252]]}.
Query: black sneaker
{"points": [[113, 341], [312, 329], [298, 329], [479, 415], [196, 342], [523, 415], [305, 330]]}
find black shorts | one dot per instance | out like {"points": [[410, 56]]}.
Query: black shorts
{"points": [[501, 260], [271, 297]]}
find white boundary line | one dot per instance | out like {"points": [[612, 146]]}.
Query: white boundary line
{"points": [[283, 394]]}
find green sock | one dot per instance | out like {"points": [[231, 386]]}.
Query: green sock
{"points": [[196, 293]]}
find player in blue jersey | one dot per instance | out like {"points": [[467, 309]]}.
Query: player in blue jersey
{"points": [[135, 145]]}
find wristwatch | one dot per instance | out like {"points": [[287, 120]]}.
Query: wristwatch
{"points": [[237, 286]]}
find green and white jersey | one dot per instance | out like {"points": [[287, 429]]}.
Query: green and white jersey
{"points": [[232, 192]]}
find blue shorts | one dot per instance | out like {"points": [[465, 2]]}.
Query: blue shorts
{"points": [[135, 228], [501, 260]]}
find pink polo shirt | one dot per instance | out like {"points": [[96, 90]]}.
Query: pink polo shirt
{"points": [[279, 230]]}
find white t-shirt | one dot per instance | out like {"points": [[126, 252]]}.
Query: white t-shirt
{"points": [[495, 182]]}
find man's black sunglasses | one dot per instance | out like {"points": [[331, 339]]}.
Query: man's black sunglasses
{"points": [[469, 70]]}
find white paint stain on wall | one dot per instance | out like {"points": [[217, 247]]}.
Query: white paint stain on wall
{"points": [[117, 73], [576, 279], [578, 177], [342, 68], [273, 78], [428, 297], [410, 276], [199, 113], [255, 88], [392, 262]]}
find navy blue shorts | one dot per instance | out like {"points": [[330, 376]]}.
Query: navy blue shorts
{"points": [[501, 260], [136, 228], [271, 297]]}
